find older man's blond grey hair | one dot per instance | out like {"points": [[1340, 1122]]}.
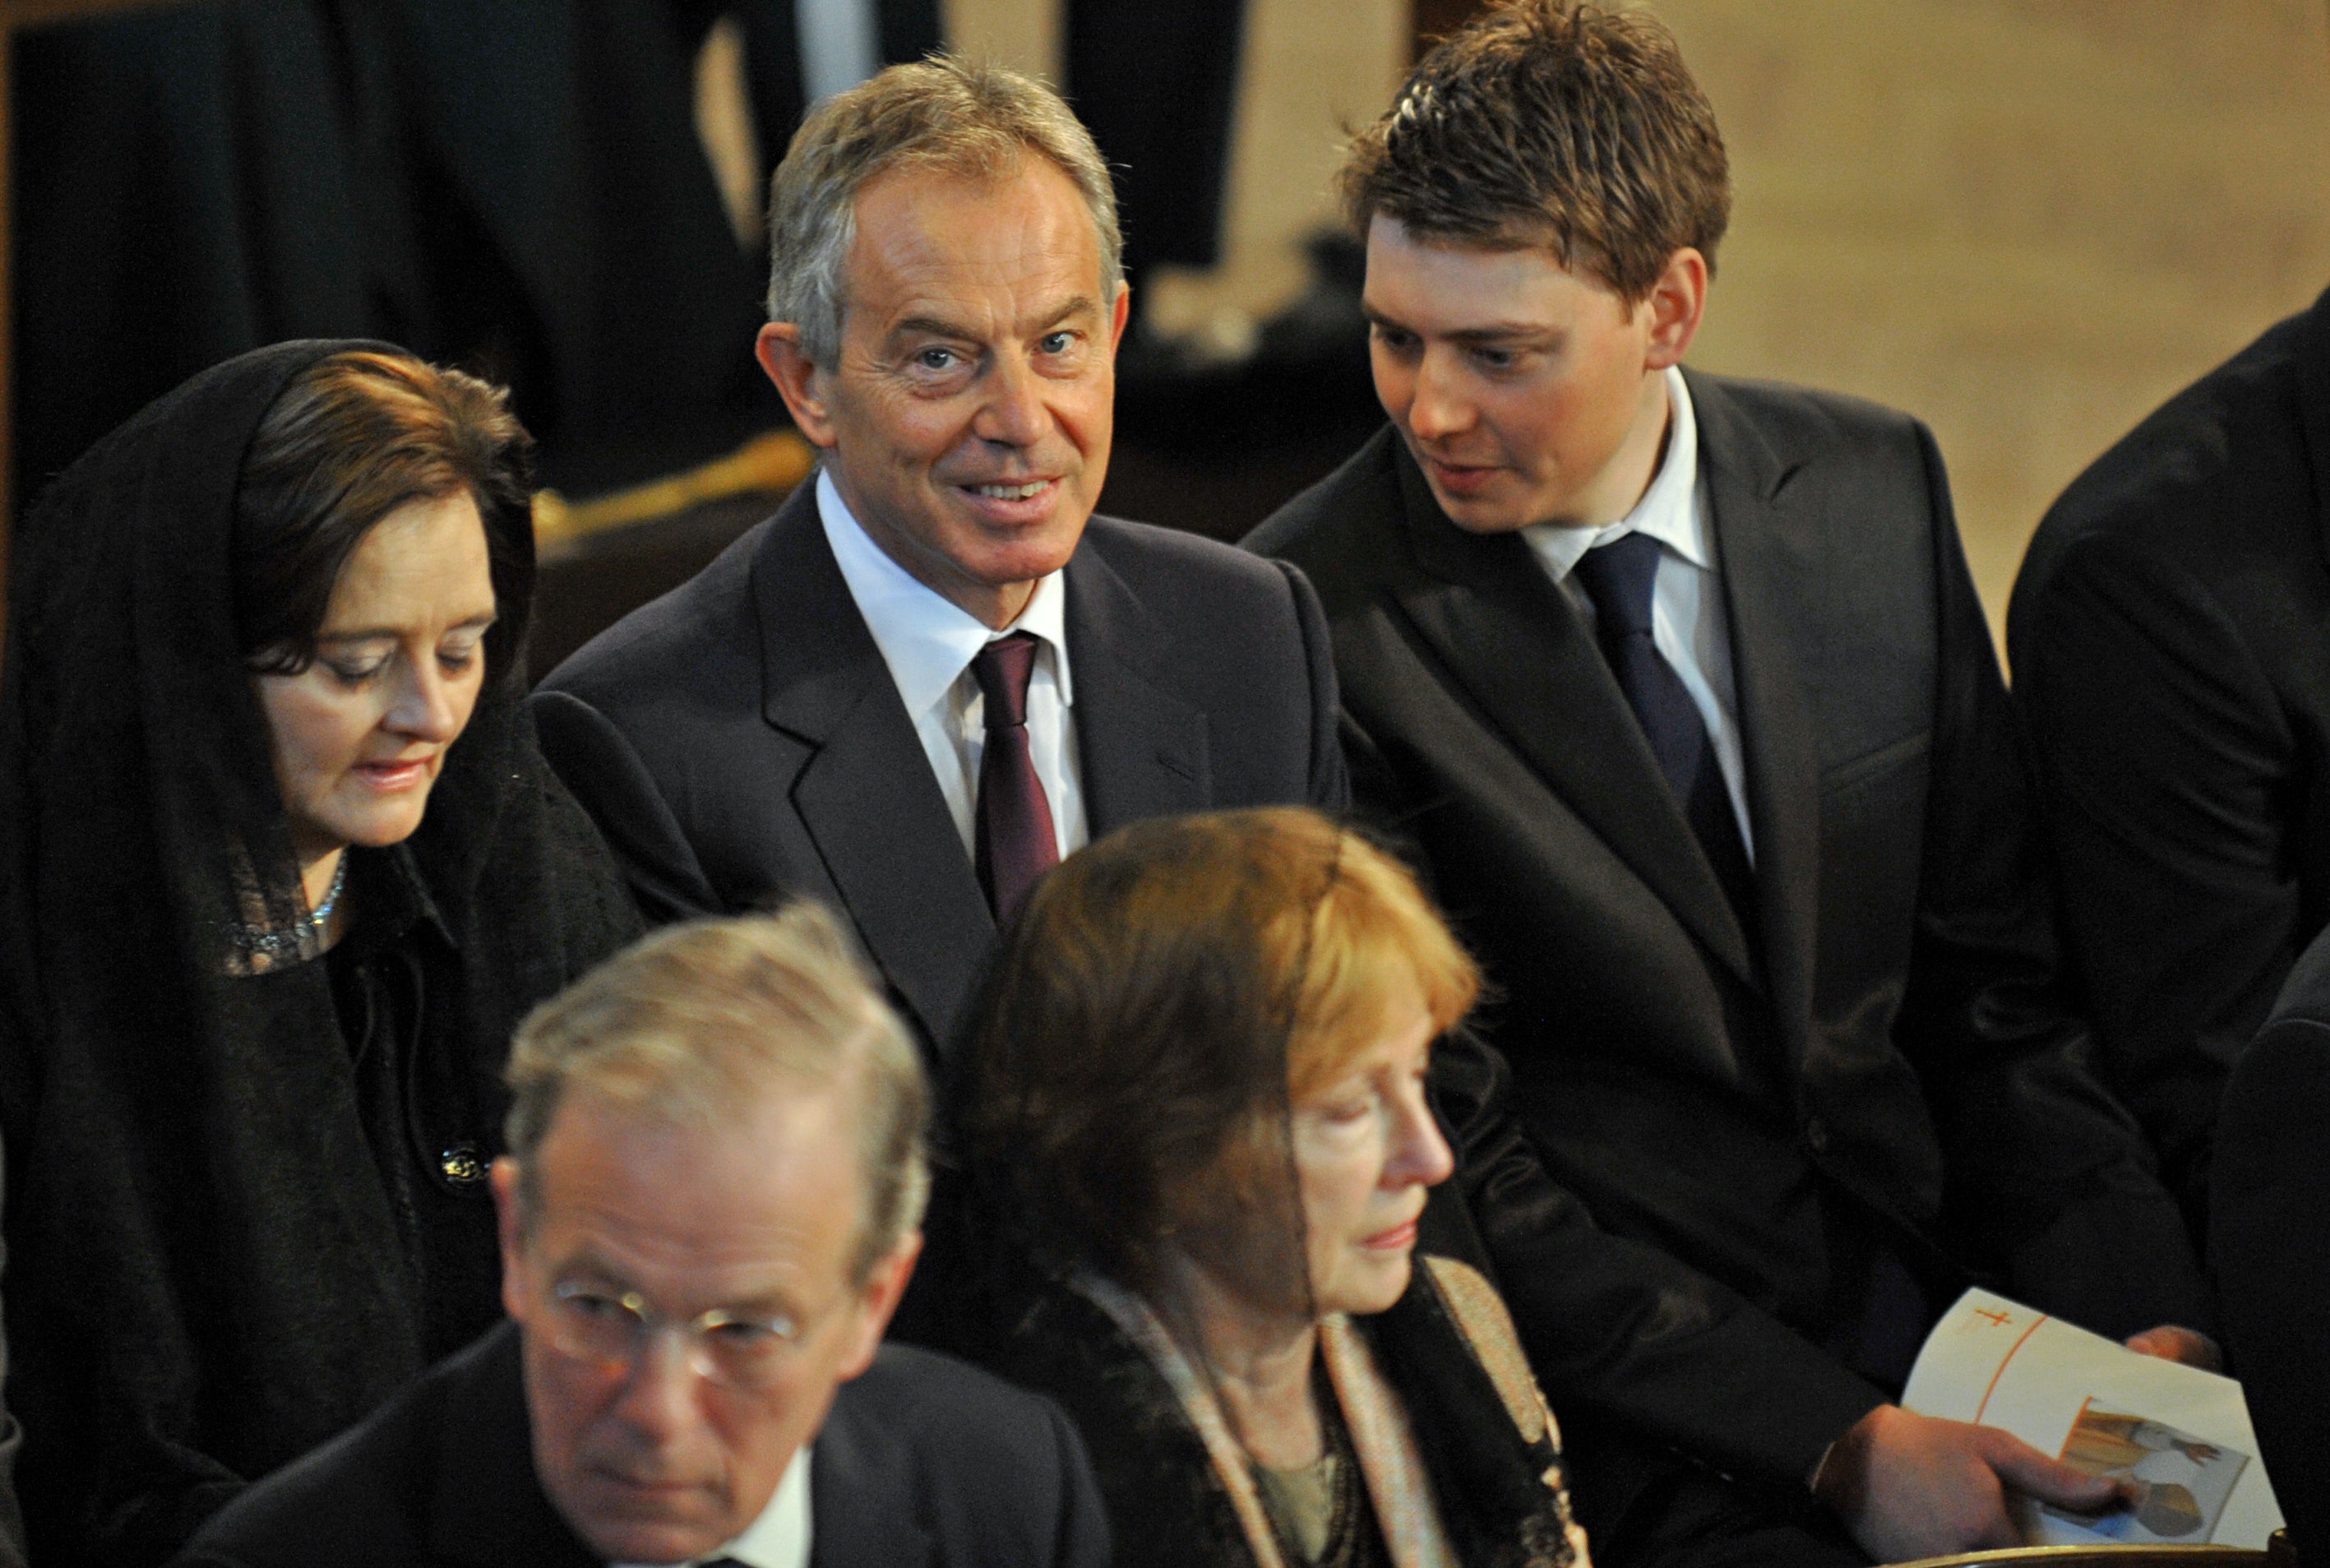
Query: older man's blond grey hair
{"points": [[691, 1027], [943, 113]]}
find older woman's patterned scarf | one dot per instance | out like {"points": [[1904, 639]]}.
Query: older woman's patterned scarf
{"points": [[1398, 1485]]}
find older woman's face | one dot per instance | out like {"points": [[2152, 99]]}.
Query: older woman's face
{"points": [[1366, 1147], [359, 736]]}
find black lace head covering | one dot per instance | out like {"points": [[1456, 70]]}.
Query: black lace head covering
{"points": [[204, 1274]]}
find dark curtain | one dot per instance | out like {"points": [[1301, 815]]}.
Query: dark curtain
{"points": [[1156, 82], [513, 185], [906, 30]]}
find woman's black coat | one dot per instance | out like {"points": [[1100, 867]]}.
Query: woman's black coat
{"points": [[226, 1239]]}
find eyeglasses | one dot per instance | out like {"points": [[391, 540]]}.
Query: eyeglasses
{"points": [[614, 1328]]}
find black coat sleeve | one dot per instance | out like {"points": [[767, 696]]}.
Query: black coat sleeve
{"points": [[2166, 766], [1331, 778], [599, 767], [1080, 1539], [1625, 1331], [2266, 1242], [2048, 1173], [12, 1523]]}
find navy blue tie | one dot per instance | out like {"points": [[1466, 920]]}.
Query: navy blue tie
{"points": [[1619, 577]]}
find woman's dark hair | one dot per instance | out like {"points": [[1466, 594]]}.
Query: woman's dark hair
{"points": [[1163, 994], [352, 438]]}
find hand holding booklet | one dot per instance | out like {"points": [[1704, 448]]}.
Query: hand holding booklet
{"points": [[2179, 1437]]}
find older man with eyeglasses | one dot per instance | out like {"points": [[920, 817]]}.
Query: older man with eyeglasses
{"points": [[709, 1210]]}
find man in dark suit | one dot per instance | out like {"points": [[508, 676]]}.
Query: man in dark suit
{"points": [[1680, 689], [933, 672], [2171, 640], [2267, 1247], [715, 1138]]}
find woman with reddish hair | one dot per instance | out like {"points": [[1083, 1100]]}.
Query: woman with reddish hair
{"points": [[1197, 1103]]}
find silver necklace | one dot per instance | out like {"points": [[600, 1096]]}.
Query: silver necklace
{"points": [[293, 941], [322, 916]]}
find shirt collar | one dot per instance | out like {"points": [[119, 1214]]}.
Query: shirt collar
{"points": [[779, 1537], [926, 639], [1668, 512]]}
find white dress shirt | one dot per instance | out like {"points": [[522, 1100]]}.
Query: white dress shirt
{"points": [[1688, 620], [928, 641], [779, 1537], [840, 45]]}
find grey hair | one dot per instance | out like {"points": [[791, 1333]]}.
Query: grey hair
{"points": [[695, 1022], [943, 113]]}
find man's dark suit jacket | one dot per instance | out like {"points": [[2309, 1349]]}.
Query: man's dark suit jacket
{"points": [[2171, 642], [1879, 1059], [923, 1462], [2267, 1246], [740, 740]]}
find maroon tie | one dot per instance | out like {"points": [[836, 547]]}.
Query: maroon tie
{"points": [[1016, 845]]}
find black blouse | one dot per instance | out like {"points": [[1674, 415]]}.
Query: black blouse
{"points": [[433, 1126]]}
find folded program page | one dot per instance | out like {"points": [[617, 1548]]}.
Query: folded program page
{"points": [[2182, 1435]]}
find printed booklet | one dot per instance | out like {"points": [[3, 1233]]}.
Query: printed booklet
{"points": [[2183, 1435]]}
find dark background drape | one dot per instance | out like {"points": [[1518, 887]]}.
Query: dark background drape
{"points": [[512, 185]]}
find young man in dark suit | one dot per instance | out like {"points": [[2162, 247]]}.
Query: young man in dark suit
{"points": [[1680, 687], [934, 672], [715, 1141], [2169, 633]]}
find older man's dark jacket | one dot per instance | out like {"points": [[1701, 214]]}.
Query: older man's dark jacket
{"points": [[923, 1462], [1744, 1118], [740, 740]]}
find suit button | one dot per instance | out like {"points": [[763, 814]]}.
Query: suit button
{"points": [[1816, 1134], [462, 1164]]}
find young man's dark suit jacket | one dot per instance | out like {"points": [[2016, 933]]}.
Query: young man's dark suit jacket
{"points": [[2170, 634], [1881, 1059], [921, 1463], [740, 740]]}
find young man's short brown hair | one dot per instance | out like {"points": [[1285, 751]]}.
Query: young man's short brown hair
{"points": [[1547, 122]]}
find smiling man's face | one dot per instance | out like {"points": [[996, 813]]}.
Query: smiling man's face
{"points": [[968, 416]]}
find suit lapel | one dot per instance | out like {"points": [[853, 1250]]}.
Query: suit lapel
{"points": [[1142, 747], [489, 1507], [865, 791], [1514, 643], [1761, 549], [2313, 368], [861, 1497]]}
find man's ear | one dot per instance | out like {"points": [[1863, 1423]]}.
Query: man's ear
{"points": [[1122, 314], [510, 1229], [1677, 302], [877, 1300], [779, 350]]}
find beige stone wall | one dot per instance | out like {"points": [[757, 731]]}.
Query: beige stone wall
{"points": [[2026, 221], [1310, 68], [1024, 35]]}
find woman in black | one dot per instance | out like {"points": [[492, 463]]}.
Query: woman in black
{"points": [[1197, 1103], [280, 869]]}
